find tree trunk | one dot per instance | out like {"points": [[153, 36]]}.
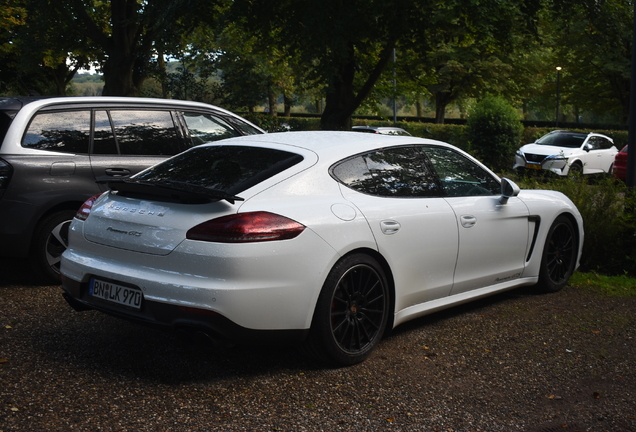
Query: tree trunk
{"points": [[341, 101], [118, 76], [441, 102], [124, 70], [288, 105], [163, 74]]}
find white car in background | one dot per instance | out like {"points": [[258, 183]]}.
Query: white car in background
{"points": [[326, 238], [563, 152]]}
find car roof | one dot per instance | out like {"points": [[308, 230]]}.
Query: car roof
{"points": [[27, 106], [331, 145], [35, 103], [567, 132]]}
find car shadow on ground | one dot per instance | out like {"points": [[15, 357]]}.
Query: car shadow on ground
{"points": [[16, 271], [112, 347]]}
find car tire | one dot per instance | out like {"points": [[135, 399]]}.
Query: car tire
{"points": [[559, 255], [351, 313], [50, 240], [576, 170]]}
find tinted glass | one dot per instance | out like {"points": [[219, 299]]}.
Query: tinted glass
{"points": [[245, 128], [600, 143], [146, 133], [66, 131], [228, 168], [459, 175], [394, 172], [5, 122], [569, 140], [205, 127], [103, 138]]}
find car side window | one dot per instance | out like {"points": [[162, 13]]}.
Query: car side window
{"points": [[392, 172], [459, 175], [206, 127], [604, 143], [593, 143], [103, 135], [152, 133], [62, 131]]}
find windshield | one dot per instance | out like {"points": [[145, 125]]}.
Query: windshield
{"points": [[562, 140]]}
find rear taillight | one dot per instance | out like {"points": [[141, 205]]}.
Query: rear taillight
{"points": [[85, 209], [6, 171], [246, 228]]}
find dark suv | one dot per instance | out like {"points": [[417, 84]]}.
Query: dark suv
{"points": [[57, 152]]}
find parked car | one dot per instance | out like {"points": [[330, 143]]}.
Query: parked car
{"points": [[323, 237], [619, 169], [53, 151], [385, 130], [564, 152]]}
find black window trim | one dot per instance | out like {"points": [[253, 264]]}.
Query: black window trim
{"points": [[426, 161]]}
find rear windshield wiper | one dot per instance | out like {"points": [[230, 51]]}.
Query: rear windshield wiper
{"points": [[186, 192]]}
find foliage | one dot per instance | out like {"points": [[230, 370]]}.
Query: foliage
{"points": [[186, 85], [495, 132], [42, 50], [610, 226], [593, 45], [608, 286]]}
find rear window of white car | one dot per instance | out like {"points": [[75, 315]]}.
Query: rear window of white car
{"points": [[231, 169]]}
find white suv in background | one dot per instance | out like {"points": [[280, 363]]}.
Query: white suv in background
{"points": [[57, 152], [563, 152]]}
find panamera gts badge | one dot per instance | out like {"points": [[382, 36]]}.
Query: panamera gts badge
{"points": [[130, 233]]}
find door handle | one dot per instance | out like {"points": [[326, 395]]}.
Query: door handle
{"points": [[389, 227], [468, 221], [117, 172]]}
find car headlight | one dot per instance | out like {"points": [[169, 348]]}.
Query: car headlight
{"points": [[519, 153], [556, 158]]}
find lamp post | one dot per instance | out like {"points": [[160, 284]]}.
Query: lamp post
{"points": [[558, 94], [394, 91]]}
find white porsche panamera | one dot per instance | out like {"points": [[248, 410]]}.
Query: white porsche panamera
{"points": [[329, 238]]}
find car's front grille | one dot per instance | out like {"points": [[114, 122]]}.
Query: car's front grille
{"points": [[534, 158]]}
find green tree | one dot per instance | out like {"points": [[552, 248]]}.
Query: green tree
{"points": [[332, 39], [470, 51], [130, 32], [42, 51], [495, 132], [593, 41], [346, 46]]}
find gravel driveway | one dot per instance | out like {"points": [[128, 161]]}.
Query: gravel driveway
{"points": [[513, 362]]}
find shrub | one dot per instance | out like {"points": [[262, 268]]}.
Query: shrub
{"points": [[494, 129], [607, 206]]}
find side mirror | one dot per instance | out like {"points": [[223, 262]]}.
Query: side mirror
{"points": [[587, 147], [508, 189]]}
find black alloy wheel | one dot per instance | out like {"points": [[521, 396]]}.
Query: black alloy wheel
{"points": [[559, 255], [352, 311]]}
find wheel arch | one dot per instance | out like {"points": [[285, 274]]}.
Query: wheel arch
{"points": [[386, 268], [577, 229], [576, 162], [62, 206]]}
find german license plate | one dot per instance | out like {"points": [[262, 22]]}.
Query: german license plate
{"points": [[534, 166], [115, 293]]}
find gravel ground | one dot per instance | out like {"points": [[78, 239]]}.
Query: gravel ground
{"points": [[513, 362]]}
